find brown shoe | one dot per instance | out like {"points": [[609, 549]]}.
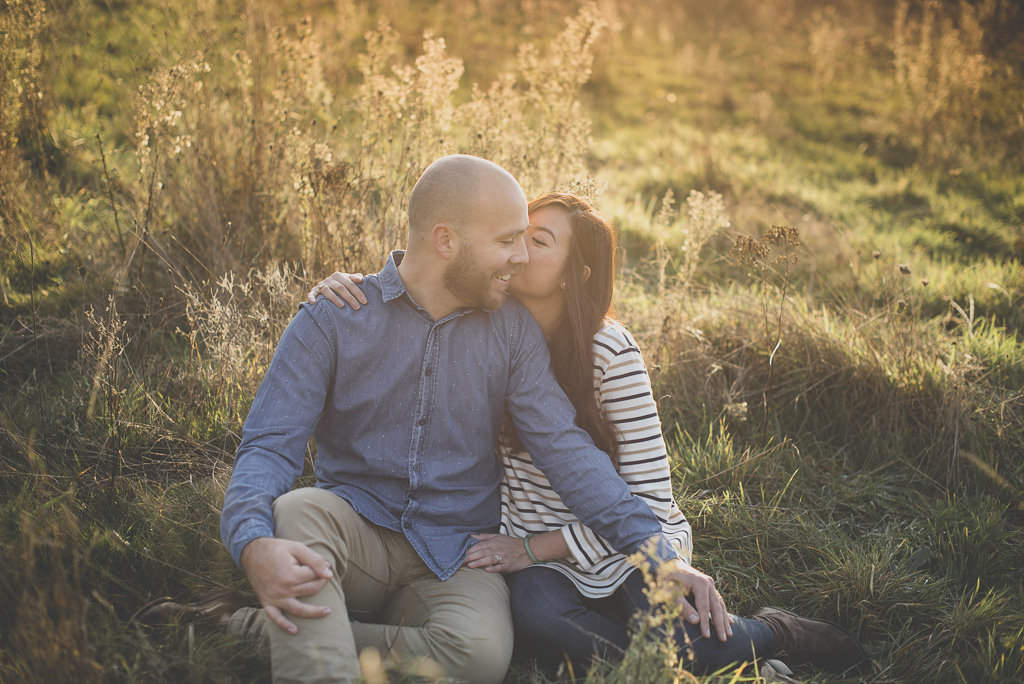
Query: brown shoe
{"points": [[215, 606], [820, 643]]}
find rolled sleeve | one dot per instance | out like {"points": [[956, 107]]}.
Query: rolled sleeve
{"points": [[287, 406], [586, 548]]}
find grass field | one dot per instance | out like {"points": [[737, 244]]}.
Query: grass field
{"points": [[843, 398]]}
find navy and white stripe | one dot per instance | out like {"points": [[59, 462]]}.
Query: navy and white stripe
{"points": [[529, 504]]}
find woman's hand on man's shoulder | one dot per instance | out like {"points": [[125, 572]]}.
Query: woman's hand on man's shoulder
{"points": [[339, 289]]}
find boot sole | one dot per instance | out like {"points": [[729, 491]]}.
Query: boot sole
{"points": [[214, 601]]}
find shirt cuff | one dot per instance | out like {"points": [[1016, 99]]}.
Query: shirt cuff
{"points": [[250, 531], [655, 551]]}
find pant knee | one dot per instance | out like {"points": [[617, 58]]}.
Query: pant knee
{"points": [[470, 627], [480, 657], [327, 524], [489, 660], [295, 510]]}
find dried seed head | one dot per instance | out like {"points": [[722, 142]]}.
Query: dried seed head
{"points": [[925, 281], [901, 306], [748, 251], [876, 255], [904, 269], [737, 411], [777, 235]]}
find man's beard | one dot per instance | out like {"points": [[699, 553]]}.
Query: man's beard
{"points": [[471, 286]]}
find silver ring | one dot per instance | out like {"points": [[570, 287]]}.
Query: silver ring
{"points": [[497, 558]]}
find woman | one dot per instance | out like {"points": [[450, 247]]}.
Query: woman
{"points": [[571, 594]]}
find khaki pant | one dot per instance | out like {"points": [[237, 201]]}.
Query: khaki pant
{"points": [[403, 610]]}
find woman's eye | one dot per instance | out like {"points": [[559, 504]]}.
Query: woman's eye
{"points": [[539, 243]]}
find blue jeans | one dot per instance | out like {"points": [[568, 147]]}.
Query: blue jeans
{"points": [[554, 620]]}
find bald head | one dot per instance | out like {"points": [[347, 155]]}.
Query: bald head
{"points": [[457, 190]]}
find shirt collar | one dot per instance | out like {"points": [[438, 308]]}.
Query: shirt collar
{"points": [[391, 285]]}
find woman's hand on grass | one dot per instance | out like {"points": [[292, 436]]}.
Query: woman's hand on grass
{"points": [[338, 289], [497, 553], [707, 605]]}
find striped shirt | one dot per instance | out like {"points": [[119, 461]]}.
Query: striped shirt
{"points": [[529, 504]]}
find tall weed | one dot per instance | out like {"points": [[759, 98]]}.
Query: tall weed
{"points": [[939, 69]]}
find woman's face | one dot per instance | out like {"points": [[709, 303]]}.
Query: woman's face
{"points": [[547, 241]]}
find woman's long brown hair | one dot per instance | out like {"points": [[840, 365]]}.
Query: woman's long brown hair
{"points": [[588, 304]]}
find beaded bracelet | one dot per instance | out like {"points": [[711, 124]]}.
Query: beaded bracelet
{"points": [[526, 543]]}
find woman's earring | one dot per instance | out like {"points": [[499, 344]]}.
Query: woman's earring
{"points": [[563, 286]]}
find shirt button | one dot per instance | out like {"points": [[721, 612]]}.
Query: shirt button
{"points": [[423, 421], [428, 372], [416, 467]]}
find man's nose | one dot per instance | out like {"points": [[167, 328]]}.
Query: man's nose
{"points": [[521, 255]]}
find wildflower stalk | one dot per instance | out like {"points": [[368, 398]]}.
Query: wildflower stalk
{"points": [[661, 225], [755, 254], [110, 195]]}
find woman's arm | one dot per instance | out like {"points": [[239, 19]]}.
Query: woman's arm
{"points": [[502, 553]]}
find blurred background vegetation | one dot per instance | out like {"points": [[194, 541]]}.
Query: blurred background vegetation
{"points": [[842, 394]]}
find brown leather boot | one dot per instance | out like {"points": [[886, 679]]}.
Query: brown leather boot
{"points": [[215, 607], [820, 643]]}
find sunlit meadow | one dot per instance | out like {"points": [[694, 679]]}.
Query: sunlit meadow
{"points": [[821, 208]]}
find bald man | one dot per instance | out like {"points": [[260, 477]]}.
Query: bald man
{"points": [[405, 399]]}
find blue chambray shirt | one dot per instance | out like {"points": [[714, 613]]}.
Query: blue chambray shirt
{"points": [[406, 411]]}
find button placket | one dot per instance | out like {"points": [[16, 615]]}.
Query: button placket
{"points": [[423, 408]]}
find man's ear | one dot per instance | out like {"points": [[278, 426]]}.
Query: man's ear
{"points": [[586, 273], [446, 240]]}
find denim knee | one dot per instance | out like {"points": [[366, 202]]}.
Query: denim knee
{"points": [[553, 620], [537, 601]]}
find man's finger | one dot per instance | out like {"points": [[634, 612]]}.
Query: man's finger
{"points": [[299, 574], [310, 588], [312, 559], [278, 618], [304, 610]]}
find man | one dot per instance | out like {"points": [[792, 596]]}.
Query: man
{"points": [[405, 399]]}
